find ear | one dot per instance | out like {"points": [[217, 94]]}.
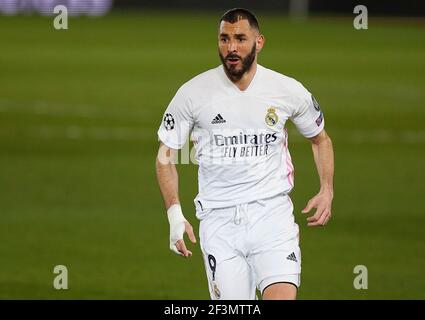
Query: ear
{"points": [[260, 40]]}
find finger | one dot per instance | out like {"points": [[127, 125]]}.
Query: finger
{"points": [[314, 224], [189, 231], [312, 219], [310, 205], [323, 217], [174, 249], [181, 246], [321, 221], [319, 212], [317, 219]]}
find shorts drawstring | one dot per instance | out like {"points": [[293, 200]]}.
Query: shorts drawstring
{"points": [[241, 213], [237, 217]]}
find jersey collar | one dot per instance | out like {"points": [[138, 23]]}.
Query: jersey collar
{"points": [[230, 84]]}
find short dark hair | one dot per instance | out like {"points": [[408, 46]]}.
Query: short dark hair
{"points": [[236, 14]]}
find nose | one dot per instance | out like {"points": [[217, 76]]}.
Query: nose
{"points": [[232, 46]]}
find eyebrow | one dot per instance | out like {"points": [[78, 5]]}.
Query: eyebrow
{"points": [[237, 35]]}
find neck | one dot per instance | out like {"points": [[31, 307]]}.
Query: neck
{"points": [[244, 82]]}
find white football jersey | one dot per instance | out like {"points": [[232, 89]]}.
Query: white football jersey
{"points": [[240, 137]]}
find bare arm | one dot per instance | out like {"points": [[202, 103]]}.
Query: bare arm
{"points": [[168, 181], [167, 176], [324, 159]]}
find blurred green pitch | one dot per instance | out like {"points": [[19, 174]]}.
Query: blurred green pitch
{"points": [[79, 110]]}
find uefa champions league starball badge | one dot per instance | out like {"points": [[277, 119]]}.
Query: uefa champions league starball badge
{"points": [[271, 117], [169, 121]]}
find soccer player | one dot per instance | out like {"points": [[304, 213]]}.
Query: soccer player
{"points": [[236, 114]]}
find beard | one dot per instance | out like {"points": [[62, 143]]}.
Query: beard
{"points": [[232, 71]]}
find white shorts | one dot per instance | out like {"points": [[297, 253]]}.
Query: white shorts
{"points": [[250, 246]]}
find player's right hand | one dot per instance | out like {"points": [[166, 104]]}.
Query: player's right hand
{"points": [[179, 246], [179, 226]]}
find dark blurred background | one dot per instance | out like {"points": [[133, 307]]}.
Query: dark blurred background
{"points": [[294, 7], [79, 113], [375, 7]]}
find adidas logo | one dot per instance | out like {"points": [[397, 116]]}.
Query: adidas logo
{"points": [[218, 119], [292, 257]]}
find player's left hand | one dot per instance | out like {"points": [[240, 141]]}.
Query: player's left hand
{"points": [[323, 203]]}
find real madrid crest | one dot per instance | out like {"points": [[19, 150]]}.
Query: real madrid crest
{"points": [[271, 117], [216, 291]]}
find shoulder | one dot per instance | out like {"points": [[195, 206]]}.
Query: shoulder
{"points": [[289, 91], [283, 83], [199, 90], [200, 84]]}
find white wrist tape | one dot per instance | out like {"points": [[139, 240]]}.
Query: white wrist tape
{"points": [[177, 226]]}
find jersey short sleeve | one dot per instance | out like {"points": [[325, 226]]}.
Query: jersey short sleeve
{"points": [[177, 121], [308, 117]]}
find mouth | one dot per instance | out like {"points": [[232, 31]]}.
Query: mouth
{"points": [[232, 61]]}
